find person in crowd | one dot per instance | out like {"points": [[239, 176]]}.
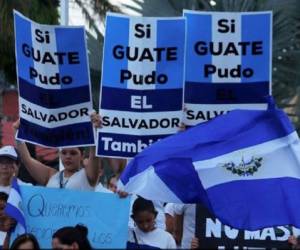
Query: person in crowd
{"points": [[195, 243], [146, 234], [170, 217], [294, 241], [9, 167], [25, 241], [112, 183], [74, 175], [6, 222], [71, 238], [185, 222]]}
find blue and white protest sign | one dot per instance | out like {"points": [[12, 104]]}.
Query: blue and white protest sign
{"points": [[104, 214], [228, 63], [142, 83], [54, 84]]}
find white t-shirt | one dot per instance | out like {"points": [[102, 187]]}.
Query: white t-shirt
{"points": [[160, 218], [189, 222], [169, 209], [100, 188], [78, 181], [156, 238], [2, 238]]}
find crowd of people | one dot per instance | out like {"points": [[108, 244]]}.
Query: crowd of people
{"points": [[151, 223], [147, 225]]}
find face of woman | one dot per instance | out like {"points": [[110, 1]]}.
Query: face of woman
{"points": [[71, 159], [8, 168], [145, 221]]}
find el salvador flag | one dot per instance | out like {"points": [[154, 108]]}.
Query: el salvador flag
{"points": [[14, 208], [244, 166]]}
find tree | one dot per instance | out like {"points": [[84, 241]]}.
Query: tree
{"points": [[43, 11]]}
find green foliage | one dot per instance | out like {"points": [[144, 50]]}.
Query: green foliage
{"points": [[42, 11]]}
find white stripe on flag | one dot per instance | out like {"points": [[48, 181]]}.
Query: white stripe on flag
{"points": [[211, 172], [144, 67], [68, 115], [226, 62], [138, 184], [166, 122], [47, 69]]}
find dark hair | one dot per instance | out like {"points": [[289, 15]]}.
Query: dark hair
{"points": [[82, 150], [24, 238], [69, 235], [141, 204], [3, 196]]}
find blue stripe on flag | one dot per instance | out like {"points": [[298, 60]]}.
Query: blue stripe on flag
{"points": [[273, 195], [170, 33], [199, 28], [117, 33], [224, 134], [161, 100], [227, 93], [73, 40], [15, 186], [13, 207], [15, 213], [257, 28], [23, 37], [69, 135], [53, 98], [182, 179]]}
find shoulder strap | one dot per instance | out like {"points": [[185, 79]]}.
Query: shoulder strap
{"points": [[135, 238], [61, 179]]}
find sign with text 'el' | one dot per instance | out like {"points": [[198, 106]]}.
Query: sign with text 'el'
{"points": [[228, 63], [142, 83], [54, 84], [104, 214]]}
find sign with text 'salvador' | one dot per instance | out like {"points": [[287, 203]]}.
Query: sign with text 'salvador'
{"points": [[228, 63], [142, 81], [54, 84]]}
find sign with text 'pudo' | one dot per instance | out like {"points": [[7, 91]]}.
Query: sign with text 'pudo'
{"points": [[142, 81], [54, 84], [228, 63]]}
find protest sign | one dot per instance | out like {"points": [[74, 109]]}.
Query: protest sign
{"points": [[212, 234], [48, 209], [142, 80], [228, 63], [54, 84]]}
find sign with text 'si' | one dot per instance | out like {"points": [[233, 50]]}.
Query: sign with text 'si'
{"points": [[142, 83], [228, 63], [54, 84]]}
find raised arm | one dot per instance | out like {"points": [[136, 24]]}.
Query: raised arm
{"points": [[94, 164], [93, 167], [39, 171]]}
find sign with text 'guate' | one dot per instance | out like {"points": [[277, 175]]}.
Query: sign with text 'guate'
{"points": [[142, 83], [54, 84], [228, 63]]}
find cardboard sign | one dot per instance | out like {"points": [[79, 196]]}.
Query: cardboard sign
{"points": [[212, 234], [54, 84], [228, 63], [104, 214], [142, 81]]}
